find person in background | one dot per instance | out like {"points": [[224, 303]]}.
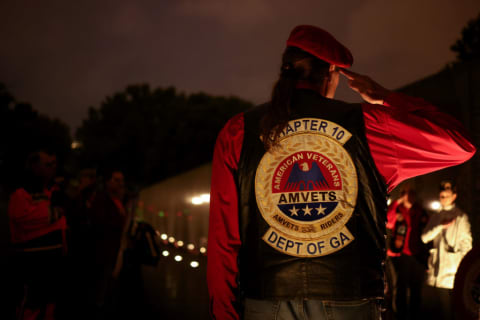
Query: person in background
{"points": [[108, 218], [81, 192], [450, 234], [38, 225], [297, 205], [405, 255]]}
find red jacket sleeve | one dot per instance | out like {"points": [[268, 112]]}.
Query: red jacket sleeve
{"points": [[409, 137], [223, 232]]}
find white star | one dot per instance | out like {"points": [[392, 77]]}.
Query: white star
{"points": [[307, 210], [294, 211], [321, 210]]}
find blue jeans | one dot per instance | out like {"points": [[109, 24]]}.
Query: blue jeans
{"points": [[300, 309]]}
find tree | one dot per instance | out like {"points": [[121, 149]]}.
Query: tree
{"points": [[154, 134], [23, 130], [468, 47]]}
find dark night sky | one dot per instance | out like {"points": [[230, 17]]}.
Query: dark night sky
{"points": [[64, 56]]}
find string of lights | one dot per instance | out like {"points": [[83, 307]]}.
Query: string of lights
{"points": [[169, 245], [180, 252]]}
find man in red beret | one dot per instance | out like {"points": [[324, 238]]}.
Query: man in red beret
{"points": [[298, 210]]}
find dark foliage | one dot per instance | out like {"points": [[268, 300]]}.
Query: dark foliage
{"points": [[23, 130], [468, 46], [154, 134]]}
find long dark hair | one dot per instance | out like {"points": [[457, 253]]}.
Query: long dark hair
{"points": [[296, 65]]}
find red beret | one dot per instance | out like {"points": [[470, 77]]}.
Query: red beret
{"points": [[321, 44]]}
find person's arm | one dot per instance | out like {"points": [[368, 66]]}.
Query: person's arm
{"points": [[432, 229], [223, 231], [408, 136]]}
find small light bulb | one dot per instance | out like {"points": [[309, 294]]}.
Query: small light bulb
{"points": [[194, 264], [164, 236], [180, 243], [190, 246], [171, 239], [165, 253], [203, 250], [178, 258]]}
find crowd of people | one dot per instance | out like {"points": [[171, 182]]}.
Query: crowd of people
{"points": [[424, 253], [68, 242], [297, 211]]}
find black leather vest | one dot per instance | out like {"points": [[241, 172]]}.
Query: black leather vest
{"points": [[353, 272]]}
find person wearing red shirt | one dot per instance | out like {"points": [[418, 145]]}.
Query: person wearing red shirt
{"points": [[406, 264], [297, 211], [37, 226]]}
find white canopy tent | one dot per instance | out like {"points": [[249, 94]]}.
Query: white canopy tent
{"points": [[179, 206]]}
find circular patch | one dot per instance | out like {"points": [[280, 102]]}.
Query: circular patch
{"points": [[306, 189]]}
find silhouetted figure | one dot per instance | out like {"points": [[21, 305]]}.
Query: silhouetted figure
{"points": [[81, 195], [142, 249], [81, 192], [449, 231], [108, 217], [37, 225], [406, 252]]}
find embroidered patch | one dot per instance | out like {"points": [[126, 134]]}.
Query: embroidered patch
{"points": [[306, 189]]}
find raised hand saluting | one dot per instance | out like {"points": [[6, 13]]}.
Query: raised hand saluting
{"points": [[369, 90]]}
